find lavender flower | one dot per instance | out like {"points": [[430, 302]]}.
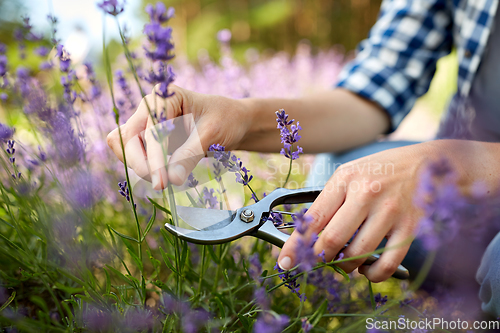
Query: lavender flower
{"points": [[327, 286], [301, 221], [292, 282], [6, 132], [306, 325], [3, 65], [163, 78], [95, 90], [124, 87], [160, 37], [209, 198], [255, 269], [232, 163], [10, 147], [261, 298], [83, 190], [68, 145], [98, 320], [289, 135], [46, 65], [159, 13], [224, 36], [192, 320], [218, 174], [270, 323], [192, 182], [67, 82], [3, 48], [379, 300], [64, 58], [443, 204], [112, 7], [4, 96], [275, 217], [123, 190], [42, 51]]}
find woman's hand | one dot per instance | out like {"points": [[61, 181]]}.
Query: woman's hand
{"points": [[216, 120], [375, 194]]}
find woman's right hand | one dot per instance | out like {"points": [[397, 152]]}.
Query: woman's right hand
{"points": [[216, 120]]}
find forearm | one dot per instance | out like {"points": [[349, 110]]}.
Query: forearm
{"points": [[332, 121], [474, 161]]}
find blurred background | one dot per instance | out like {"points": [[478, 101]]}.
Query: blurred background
{"points": [[264, 26]]}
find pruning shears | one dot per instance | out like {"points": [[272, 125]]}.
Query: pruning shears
{"points": [[222, 226]]}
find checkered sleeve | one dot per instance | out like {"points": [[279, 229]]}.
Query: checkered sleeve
{"points": [[396, 63]]}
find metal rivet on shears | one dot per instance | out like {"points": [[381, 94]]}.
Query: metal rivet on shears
{"points": [[247, 215]]}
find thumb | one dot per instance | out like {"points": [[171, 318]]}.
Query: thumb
{"points": [[286, 259], [185, 159]]}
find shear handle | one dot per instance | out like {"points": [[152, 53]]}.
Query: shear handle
{"points": [[282, 196], [269, 233]]}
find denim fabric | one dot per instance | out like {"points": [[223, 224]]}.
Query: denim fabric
{"points": [[488, 274]]}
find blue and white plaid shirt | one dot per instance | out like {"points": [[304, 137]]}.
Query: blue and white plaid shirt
{"points": [[396, 63]]}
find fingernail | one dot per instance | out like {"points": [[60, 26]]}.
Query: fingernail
{"points": [[285, 263], [180, 171], [155, 180]]}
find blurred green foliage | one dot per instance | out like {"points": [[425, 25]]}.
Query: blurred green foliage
{"points": [[277, 25]]}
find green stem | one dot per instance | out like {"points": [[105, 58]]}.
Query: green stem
{"points": [[117, 120], [372, 298], [202, 269], [289, 169]]}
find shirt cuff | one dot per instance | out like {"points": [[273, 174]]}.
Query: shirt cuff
{"points": [[385, 86]]}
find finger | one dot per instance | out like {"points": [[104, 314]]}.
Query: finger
{"points": [[136, 157], [132, 128], [186, 157], [340, 229], [398, 245], [368, 238], [156, 149], [321, 211]]}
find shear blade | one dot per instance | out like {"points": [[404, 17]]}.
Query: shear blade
{"points": [[202, 218]]}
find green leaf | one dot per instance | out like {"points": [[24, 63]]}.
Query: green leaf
{"points": [[108, 281], [10, 225], [40, 302], [157, 205], [318, 314], [11, 243], [163, 287], [245, 321], [341, 271], [122, 235], [85, 298], [212, 254], [166, 259], [120, 275], [112, 296], [167, 236], [67, 309], [68, 289], [193, 202], [71, 277], [150, 224], [136, 259], [6, 304], [221, 307], [183, 254]]}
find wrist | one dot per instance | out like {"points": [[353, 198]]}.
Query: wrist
{"points": [[473, 161], [259, 122]]}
